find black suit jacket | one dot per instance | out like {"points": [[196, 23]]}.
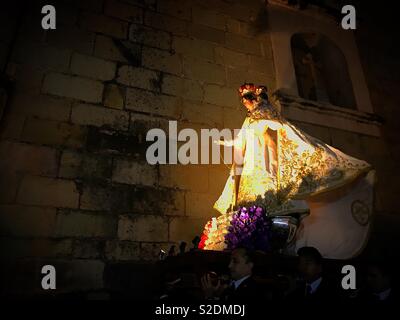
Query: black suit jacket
{"points": [[248, 291], [368, 297], [326, 292]]}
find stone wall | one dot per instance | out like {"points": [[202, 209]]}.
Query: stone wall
{"points": [[75, 187]]}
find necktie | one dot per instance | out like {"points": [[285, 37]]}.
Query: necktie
{"points": [[308, 290], [229, 291]]}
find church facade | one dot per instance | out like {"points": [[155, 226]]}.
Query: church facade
{"points": [[76, 104]]}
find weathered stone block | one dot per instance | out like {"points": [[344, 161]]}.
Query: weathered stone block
{"points": [[96, 197], [106, 142], [22, 158], [150, 37], [87, 249], [238, 75], [165, 23], [234, 118], [206, 33], [231, 58], [87, 166], [150, 251], [123, 11], [48, 192], [209, 18], [262, 65], [194, 47], [92, 67], [143, 228], [188, 177], [27, 221], [9, 184], [185, 229], [161, 60], [153, 103], [221, 96], [177, 8], [131, 172], [72, 38], [266, 47], [114, 96], [53, 133], [108, 48], [200, 205], [218, 176], [204, 71], [85, 225], [140, 124], [28, 79], [182, 87], [73, 87], [87, 114], [163, 201], [19, 248], [242, 44], [122, 250], [138, 77], [48, 58], [232, 25], [41, 106], [196, 112], [103, 24]]}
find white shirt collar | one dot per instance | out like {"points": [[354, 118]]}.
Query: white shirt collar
{"points": [[237, 283], [314, 285]]}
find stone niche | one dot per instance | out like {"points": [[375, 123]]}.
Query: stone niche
{"points": [[319, 77]]}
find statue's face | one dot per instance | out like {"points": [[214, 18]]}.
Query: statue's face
{"points": [[249, 102], [253, 96]]}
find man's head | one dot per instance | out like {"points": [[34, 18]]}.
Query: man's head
{"points": [[378, 277], [241, 264], [310, 263]]}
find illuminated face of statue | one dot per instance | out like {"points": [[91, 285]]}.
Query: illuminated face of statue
{"points": [[252, 96], [249, 104]]}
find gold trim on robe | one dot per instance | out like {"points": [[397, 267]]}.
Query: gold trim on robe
{"points": [[306, 166], [281, 167]]}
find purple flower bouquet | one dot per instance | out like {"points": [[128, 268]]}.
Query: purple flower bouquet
{"points": [[249, 228]]}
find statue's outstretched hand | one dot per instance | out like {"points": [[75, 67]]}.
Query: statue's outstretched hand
{"points": [[228, 143]]}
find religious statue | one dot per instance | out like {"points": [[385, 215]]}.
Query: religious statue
{"points": [[291, 174]]}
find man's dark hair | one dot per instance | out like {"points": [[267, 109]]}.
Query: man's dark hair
{"points": [[248, 254], [310, 253]]}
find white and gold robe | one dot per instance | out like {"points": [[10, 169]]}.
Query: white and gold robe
{"points": [[287, 171]]}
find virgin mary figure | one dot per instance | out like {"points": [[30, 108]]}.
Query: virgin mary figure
{"points": [[290, 173]]}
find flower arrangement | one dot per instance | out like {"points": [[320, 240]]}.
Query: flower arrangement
{"points": [[249, 228], [204, 236]]}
